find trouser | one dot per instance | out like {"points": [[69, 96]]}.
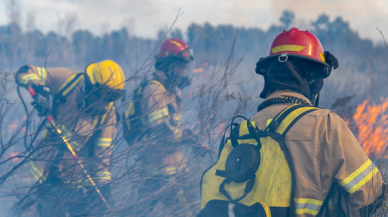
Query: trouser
{"points": [[169, 190]]}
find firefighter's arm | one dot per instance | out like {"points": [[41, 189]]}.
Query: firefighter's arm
{"points": [[29, 76], [354, 172], [154, 104], [103, 148], [35, 79]]}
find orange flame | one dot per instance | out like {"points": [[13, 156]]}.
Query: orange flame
{"points": [[13, 154], [13, 125], [372, 124], [197, 70]]}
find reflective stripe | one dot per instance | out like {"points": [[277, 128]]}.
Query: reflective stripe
{"points": [[95, 121], [321, 56], [178, 134], [70, 88], [106, 113], [174, 170], [307, 205], [178, 119], [104, 175], [287, 47], [25, 79], [96, 118], [104, 142], [43, 74], [157, 114], [68, 136], [36, 173], [359, 177], [268, 122], [158, 83], [333, 203], [130, 111], [79, 183]]}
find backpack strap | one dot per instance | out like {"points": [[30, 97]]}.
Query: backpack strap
{"points": [[99, 120], [68, 86], [278, 128], [133, 110], [65, 89], [283, 121]]}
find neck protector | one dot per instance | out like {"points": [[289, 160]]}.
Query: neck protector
{"points": [[292, 75]]}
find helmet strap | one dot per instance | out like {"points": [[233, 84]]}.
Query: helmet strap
{"points": [[316, 103], [315, 86]]}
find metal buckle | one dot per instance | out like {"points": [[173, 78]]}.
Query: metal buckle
{"points": [[283, 55], [230, 210]]}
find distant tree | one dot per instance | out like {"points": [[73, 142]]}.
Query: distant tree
{"points": [[161, 34], [176, 33], [287, 18]]}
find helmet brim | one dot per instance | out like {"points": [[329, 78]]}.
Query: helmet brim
{"points": [[263, 64]]}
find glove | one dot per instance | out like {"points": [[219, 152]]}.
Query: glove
{"points": [[41, 96]]}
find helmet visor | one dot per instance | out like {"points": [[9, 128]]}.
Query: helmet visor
{"points": [[187, 54]]}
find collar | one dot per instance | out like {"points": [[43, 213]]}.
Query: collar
{"points": [[283, 97], [286, 93], [161, 77]]}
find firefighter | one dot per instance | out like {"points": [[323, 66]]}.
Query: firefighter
{"points": [[306, 161], [82, 118], [153, 122]]}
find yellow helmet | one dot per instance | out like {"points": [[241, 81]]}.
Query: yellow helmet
{"points": [[107, 73]]}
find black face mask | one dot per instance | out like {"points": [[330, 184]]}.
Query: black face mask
{"points": [[183, 82]]}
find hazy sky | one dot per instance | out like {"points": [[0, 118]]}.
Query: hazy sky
{"points": [[147, 16]]}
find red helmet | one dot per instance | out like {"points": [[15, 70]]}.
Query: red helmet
{"points": [[175, 48], [299, 44]]}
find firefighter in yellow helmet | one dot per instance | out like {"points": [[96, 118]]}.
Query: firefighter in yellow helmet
{"points": [[72, 161], [292, 158]]}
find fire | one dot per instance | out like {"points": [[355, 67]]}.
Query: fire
{"points": [[372, 124], [13, 155], [13, 125], [197, 70]]}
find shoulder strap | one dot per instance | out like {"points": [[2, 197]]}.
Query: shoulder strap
{"points": [[65, 89], [156, 82], [279, 126], [139, 91], [283, 121], [69, 84], [133, 107], [99, 120]]}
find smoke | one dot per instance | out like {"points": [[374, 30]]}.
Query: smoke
{"points": [[152, 15]]}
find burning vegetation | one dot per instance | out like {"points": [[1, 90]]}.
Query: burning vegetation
{"points": [[371, 120]]}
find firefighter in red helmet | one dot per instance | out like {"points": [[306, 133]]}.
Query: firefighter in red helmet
{"points": [[306, 161], [172, 59], [153, 122]]}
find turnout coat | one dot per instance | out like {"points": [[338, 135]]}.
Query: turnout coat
{"points": [[89, 128]]}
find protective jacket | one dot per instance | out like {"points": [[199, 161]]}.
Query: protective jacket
{"points": [[160, 111], [327, 160], [89, 128]]}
